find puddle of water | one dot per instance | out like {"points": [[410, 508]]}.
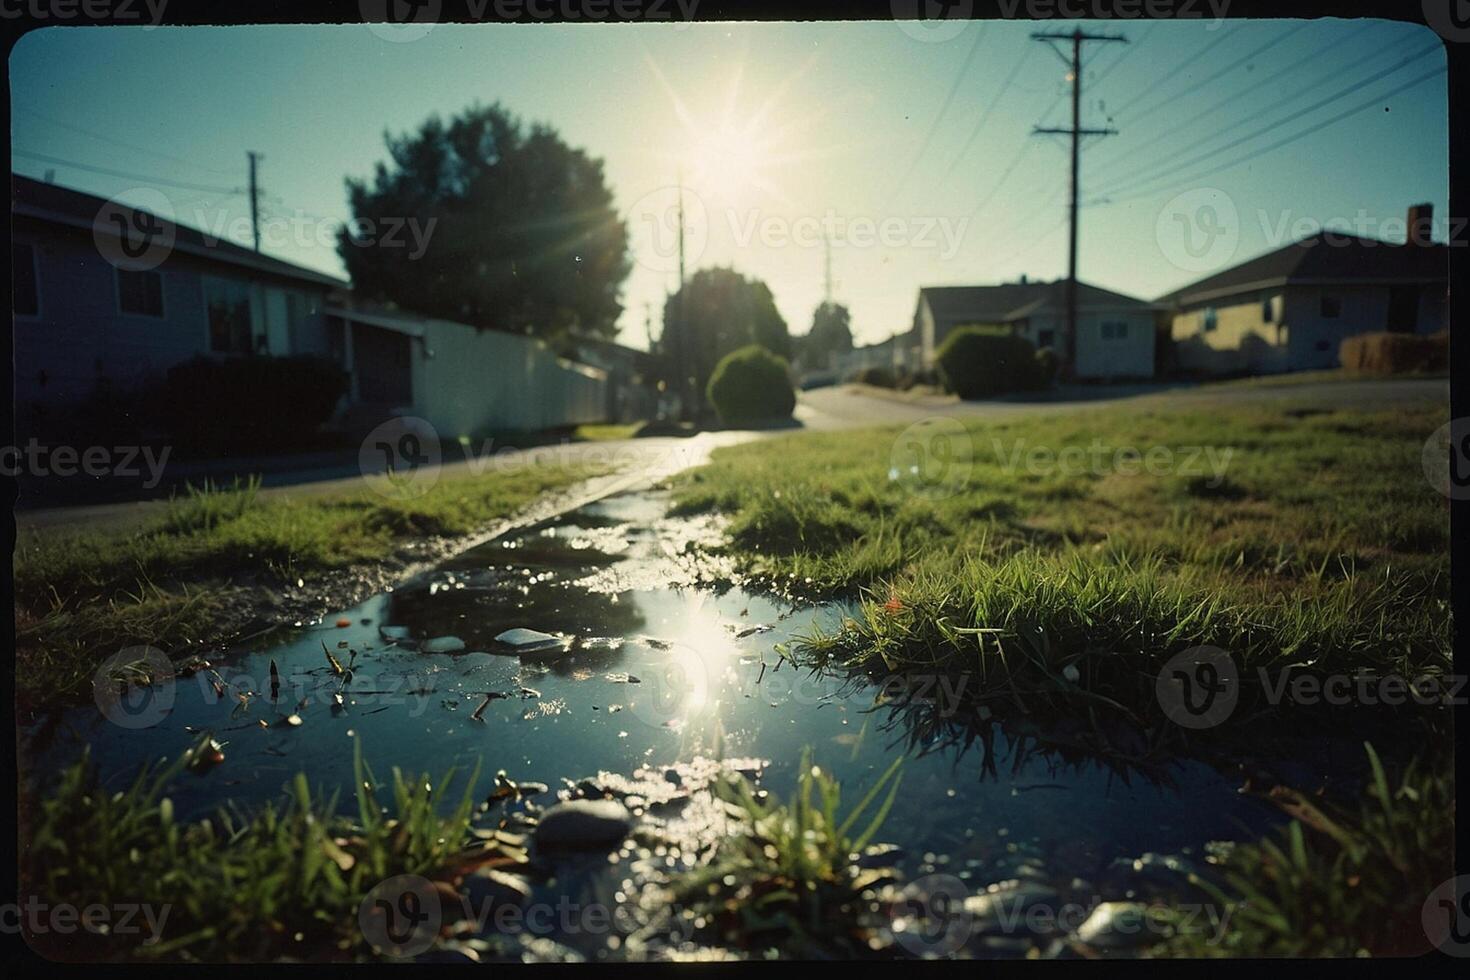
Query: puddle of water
{"points": [[667, 663]]}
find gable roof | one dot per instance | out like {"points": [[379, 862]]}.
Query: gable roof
{"points": [[1014, 300], [1326, 257], [77, 209]]}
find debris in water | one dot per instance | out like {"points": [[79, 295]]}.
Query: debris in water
{"points": [[752, 630], [343, 623], [204, 754], [480, 711], [525, 641], [332, 661], [443, 644]]}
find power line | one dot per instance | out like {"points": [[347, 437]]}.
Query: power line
{"points": [[1149, 29], [123, 143], [1166, 165], [984, 116], [1282, 36], [124, 174], [1189, 59], [1372, 103], [1234, 99], [943, 108]]}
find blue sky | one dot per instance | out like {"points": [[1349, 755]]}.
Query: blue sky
{"points": [[786, 134]]}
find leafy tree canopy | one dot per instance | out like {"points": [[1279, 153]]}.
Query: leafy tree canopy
{"points": [[831, 333], [719, 311], [516, 231]]}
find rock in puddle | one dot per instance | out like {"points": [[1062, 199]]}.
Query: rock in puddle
{"points": [[443, 644], [579, 824], [1118, 927], [493, 888], [528, 642], [1023, 908]]}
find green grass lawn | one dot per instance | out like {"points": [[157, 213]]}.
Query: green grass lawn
{"points": [[1284, 535], [80, 596]]}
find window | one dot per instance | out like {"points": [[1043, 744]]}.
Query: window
{"points": [[1046, 338], [228, 303], [1114, 330], [1268, 311], [1331, 307], [140, 292], [26, 298], [1211, 319]]}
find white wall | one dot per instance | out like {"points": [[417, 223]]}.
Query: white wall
{"points": [[477, 383]]}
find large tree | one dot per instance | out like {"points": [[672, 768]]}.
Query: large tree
{"points": [[524, 236], [716, 312], [831, 333]]}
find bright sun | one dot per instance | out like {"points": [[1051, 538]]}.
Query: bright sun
{"points": [[727, 162]]}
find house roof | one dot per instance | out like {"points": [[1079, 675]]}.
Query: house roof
{"points": [[65, 206], [1326, 257], [1014, 300]]}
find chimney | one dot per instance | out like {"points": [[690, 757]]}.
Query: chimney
{"points": [[1421, 224]]}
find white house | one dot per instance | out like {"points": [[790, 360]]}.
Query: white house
{"points": [[1291, 309], [1115, 332]]}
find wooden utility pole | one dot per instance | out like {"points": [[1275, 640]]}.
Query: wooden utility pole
{"points": [[1078, 38], [254, 199]]}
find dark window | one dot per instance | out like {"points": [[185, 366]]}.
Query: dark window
{"points": [[229, 316], [1331, 307], [1268, 311], [140, 292], [1046, 338], [27, 299], [1211, 319]]}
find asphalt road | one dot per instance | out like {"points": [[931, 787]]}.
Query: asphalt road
{"points": [[820, 409]]}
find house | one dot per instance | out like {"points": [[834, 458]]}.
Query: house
{"points": [[1115, 332], [86, 318], [82, 320], [633, 375], [890, 354], [1291, 309]]}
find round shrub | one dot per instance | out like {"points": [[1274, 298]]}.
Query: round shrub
{"points": [[255, 403], [1046, 365], [751, 385], [977, 363]]}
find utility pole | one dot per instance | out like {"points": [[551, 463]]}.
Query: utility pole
{"points": [[1077, 37], [827, 289], [686, 385], [254, 199]]}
